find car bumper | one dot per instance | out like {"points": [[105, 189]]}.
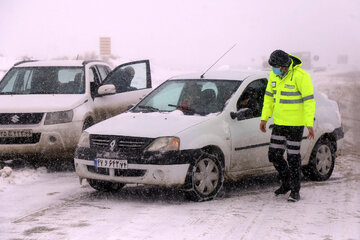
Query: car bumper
{"points": [[162, 175], [55, 140]]}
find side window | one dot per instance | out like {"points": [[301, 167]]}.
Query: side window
{"points": [[253, 98], [94, 80], [103, 71], [130, 77]]}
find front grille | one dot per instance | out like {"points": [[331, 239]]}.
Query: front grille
{"points": [[129, 172], [21, 140], [119, 143], [102, 171], [20, 118], [118, 172]]}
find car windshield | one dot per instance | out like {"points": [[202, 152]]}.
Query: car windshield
{"points": [[43, 80], [190, 96]]}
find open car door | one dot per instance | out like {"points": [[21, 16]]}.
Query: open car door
{"points": [[127, 84]]}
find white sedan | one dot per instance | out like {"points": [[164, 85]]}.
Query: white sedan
{"points": [[195, 132]]}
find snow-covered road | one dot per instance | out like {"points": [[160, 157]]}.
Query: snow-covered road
{"points": [[36, 204], [54, 206]]}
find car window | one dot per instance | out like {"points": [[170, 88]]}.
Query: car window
{"points": [[190, 96], [253, 98], [43, 80], [103, 71], [129, 77], [94, 80]]}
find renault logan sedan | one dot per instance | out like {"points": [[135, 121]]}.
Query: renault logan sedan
{"points": [[195, 132]]}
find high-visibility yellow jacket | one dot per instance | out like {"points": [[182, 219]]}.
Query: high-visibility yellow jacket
{"points": [[290, 100]]}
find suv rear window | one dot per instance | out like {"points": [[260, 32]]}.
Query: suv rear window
{"points": [[43, 80]]}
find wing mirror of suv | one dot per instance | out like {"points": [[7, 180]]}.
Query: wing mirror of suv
{"points": [[106, 89], [242, 114]]}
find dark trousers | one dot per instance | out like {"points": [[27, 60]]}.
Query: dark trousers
{"points": [[287, 138]]}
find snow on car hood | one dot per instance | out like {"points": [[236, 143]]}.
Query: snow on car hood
{"points": [[39, 103], [147, 124]]}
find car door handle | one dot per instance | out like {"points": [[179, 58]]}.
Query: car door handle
{"points": [[271, 126]]}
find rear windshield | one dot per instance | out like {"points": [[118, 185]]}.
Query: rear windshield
{"points": [[43, 80]]}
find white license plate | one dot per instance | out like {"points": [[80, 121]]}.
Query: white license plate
{"points": [[111, 163], [15, 133]]}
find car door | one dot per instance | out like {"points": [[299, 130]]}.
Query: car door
{"points": [[132, 82], [249, 144]]}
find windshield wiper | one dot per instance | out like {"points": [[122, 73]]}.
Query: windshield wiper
{"points": [[183, 107], [150, 108]]}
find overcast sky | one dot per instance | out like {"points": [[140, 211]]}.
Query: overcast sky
{"points": [[174, 33]]}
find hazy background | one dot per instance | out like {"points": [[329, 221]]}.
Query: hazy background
{"points": [[184, 34]]}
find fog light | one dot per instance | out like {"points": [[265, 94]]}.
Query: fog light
{"points": [[159, 175], [52, 139]]}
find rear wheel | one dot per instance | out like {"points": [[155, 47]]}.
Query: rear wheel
{"points": [[322, 161], [105, 186], [206, 178]]}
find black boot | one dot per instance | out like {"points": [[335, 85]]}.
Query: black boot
{"points": [[282, 190], [294, 196]]}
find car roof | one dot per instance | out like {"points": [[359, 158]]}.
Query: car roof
{"points": [[223, 75], [55, 63]]}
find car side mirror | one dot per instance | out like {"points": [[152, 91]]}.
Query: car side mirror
{"points": [[241, 114], [107, 89]]}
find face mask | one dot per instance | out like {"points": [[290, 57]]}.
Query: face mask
{"points": [[277, 71]]}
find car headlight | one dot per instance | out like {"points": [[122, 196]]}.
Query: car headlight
{"points": [[59, 117], [164, 144], [84, 140]]}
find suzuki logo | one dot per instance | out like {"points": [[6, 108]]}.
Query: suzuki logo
{"points": [[112, 145], [15, 118]]}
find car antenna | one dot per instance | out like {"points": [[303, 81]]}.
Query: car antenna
{"points": [[202, 75]]}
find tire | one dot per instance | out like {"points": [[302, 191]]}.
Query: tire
{"points": [[206, 178], [104, 186], [322, 161]]}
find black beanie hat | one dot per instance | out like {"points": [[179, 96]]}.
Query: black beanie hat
{"points": [[279, 58]]}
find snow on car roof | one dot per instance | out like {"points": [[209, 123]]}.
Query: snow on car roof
{"points": [[228, 75], [54, 63]]}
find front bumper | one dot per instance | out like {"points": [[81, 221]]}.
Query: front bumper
{"points": [[167, 169], [162, 175], [52, 140]]}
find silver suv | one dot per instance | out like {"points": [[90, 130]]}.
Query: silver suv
{"points": [[45, 105]]}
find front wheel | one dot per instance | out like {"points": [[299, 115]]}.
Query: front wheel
{"points": [[104, 186], [207, 177], [322, 161]]}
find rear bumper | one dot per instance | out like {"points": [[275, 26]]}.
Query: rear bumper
{"points": [[338, 133]]}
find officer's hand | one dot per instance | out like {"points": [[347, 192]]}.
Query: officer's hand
{"points": [[263, 126], [311, 133]]}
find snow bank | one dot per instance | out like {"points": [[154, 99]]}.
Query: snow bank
{"points": [[19, 176]]}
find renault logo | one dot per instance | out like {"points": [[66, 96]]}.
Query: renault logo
{"points": [[112, 145], [15, 118]]}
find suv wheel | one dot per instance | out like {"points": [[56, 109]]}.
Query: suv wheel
{"points": [[87, 123], [105, 186], [322, 161], [206, 178]]}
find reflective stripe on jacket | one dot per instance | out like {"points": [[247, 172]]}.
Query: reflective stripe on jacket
{"points": [[290, 100]]}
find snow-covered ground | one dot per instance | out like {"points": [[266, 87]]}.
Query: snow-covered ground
{"points": [[37, 204]]}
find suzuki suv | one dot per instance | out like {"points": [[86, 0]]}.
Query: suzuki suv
{"points": [[45, 105]]}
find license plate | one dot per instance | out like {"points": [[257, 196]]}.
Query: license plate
{"points": [[15, 133], [111, 163]]}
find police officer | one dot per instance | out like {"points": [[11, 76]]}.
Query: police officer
{"points": [[289, 98]]}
